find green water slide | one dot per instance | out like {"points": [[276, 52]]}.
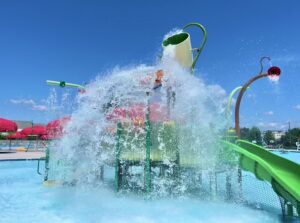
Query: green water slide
{"points": [[281, 173]]}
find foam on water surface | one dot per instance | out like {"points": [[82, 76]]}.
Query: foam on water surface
{"points": [[30, 202]]}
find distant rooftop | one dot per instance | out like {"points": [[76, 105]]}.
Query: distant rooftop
{"points": [[25, 124]]}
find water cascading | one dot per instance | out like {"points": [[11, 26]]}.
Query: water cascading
{"points": [[157, 126]]}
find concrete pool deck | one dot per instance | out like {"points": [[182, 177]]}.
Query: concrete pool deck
{"points": [[8, 155]]}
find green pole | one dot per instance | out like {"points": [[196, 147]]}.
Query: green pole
{"points": [[148, 151], [47, 158], [233, 92], [229, 135], [117, 161], [290, 211]]}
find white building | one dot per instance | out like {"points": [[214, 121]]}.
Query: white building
{"points": [[277, 134]]}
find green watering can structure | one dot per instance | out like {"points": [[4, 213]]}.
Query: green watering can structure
{"points": [[183, 51]]}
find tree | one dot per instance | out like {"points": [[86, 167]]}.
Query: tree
{"points": [[255, 135], [245, 133], [252, 134], [291, 137], [268, 137]]}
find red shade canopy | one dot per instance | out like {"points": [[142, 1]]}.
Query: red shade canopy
{"points": [[54, 129], [34, 130], [7, 125], [17, 135]]}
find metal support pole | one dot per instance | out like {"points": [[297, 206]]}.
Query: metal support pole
{"points": [[47, 159], [240, 185], [117, 161], [147, 167], [228, 185], [239, 99], [289, 208]]}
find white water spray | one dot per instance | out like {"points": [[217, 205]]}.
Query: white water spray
{"points": [[123, 96]]}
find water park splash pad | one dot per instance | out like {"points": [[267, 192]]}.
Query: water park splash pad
{"points": [[160, 131]]}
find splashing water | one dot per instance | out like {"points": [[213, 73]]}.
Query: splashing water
{"points": [[59, 104], [169, 51], [124, 96], [274, 79], [172, 33]]}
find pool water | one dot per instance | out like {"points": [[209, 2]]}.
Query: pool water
{"points": [[294, 156], [23, 198]]}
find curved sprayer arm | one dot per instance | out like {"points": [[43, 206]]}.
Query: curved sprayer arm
{"points": [[239, 99], [64, 84], [199, 50]]}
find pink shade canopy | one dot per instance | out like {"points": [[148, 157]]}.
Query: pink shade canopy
{"points": [[7, 125], [55, 128], [44, 137], [34, 130], [17, 135], [158, 113]]}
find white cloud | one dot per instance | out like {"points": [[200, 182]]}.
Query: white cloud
{"points": [[269, 125], [261, 124], [269, 113], [273, 124], [30, 103], [23, 101], [217, 90], [297, 107], [39, 107]]}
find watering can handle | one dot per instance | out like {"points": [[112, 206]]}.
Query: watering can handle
{"points": [[199, 50]]}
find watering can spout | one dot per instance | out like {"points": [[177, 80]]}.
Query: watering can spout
{"points": [[179, 47]]}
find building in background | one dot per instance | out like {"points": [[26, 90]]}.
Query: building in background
{"points": [[25, 124], [276, 133]]}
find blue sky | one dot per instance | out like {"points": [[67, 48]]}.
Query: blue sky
{"points": [[76, 40]]}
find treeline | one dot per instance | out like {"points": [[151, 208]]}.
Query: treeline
{"points": [[291, 137], [288, 140], [253, 134]]}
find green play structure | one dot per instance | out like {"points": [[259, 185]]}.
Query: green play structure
{"points": [[152, 156], [130, 152]]}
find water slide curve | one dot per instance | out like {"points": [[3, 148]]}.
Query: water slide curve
{"points": [[281, 173]]}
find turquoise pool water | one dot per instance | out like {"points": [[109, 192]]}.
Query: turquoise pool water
{"points": [[23, 198], [294, 156]]}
